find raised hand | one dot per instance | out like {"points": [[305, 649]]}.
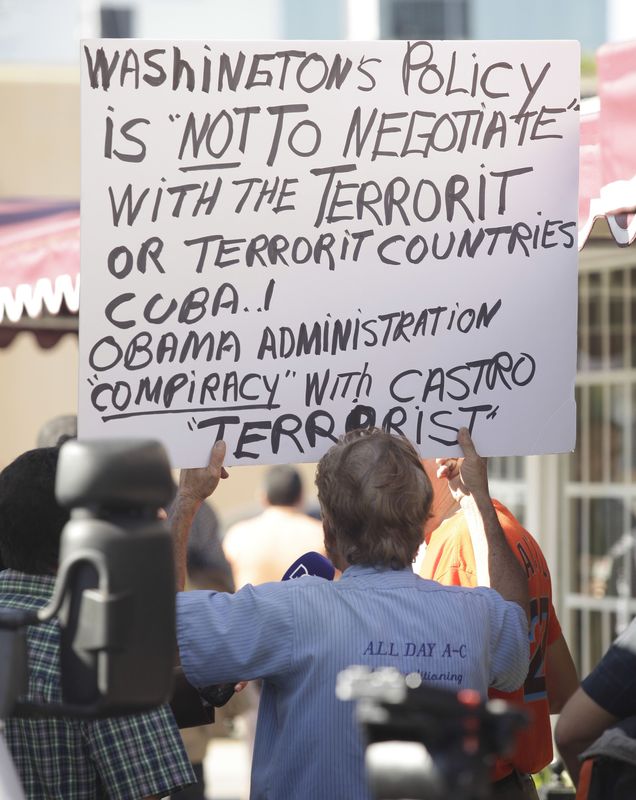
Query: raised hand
{"points": [[466, 476], [200, 482]]}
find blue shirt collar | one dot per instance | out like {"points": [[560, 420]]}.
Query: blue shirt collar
{"points": [[386, 573]]}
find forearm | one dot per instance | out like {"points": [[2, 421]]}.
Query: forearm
{"points": [[570, 756], [581, 722], [183, 514], [194, 486], [496, 564], [570, 752]]}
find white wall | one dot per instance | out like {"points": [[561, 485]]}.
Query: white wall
{"points": [[208, 19], [621, 20], [48, 31], [363, 19], [39, 31]]}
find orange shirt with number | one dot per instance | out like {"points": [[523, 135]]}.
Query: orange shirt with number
{"points": [[449, 559]]}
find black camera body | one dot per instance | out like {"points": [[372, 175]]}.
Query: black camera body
{"points": [[426, 742], [117, 618], [114, 594]]}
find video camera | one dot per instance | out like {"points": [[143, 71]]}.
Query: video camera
{"points": [[426, 742], [114, 594]]}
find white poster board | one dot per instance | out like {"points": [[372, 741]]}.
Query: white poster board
{"points": [[282, 240]]}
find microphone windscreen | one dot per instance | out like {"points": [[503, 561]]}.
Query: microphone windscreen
{"points": [[310, 564]]}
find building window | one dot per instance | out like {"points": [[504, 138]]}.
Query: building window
{"points": [[507, 478], [600, 510], [116, 22], [594, 570], [425, 19]]}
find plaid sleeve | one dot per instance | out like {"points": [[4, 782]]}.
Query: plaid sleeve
{"points": [[139, 755]]}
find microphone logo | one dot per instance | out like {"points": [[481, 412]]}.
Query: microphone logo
{"points": [[300, 571], [310, 564]]}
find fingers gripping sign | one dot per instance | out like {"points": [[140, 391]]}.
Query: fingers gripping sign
{"points": [[467, 475], [199, 483]]}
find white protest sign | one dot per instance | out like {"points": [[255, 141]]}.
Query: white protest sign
{"points": [[284, 240]]}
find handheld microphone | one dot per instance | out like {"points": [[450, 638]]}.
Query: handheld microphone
{"points": [[311, 563]]}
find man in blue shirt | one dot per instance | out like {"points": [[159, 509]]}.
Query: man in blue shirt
{"points": [[298, 635]]}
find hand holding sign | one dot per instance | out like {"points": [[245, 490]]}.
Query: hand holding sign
{"points": [[200, 483], [466, 476]]}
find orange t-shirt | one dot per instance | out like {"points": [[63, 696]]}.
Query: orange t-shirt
{"points": [[449, 559]]}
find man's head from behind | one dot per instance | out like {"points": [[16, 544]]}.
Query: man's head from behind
{"points": [[283, 486], [31, 521], [375, 498]]}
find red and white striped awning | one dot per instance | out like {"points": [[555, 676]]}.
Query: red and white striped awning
{"points": [[607, 183], [39, 259], [39, 240]]}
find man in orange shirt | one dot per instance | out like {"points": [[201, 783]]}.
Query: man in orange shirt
{"points": [[457, 555]]}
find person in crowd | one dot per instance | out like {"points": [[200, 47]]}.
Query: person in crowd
{"points": [[136, 756], [261, 548], [606, 697], [298, 635], [454, 557]]}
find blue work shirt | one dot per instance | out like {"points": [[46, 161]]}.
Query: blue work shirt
{"points": [[298, 635]]}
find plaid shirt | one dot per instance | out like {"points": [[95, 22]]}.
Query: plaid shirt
{"points": [[122, 758]]}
